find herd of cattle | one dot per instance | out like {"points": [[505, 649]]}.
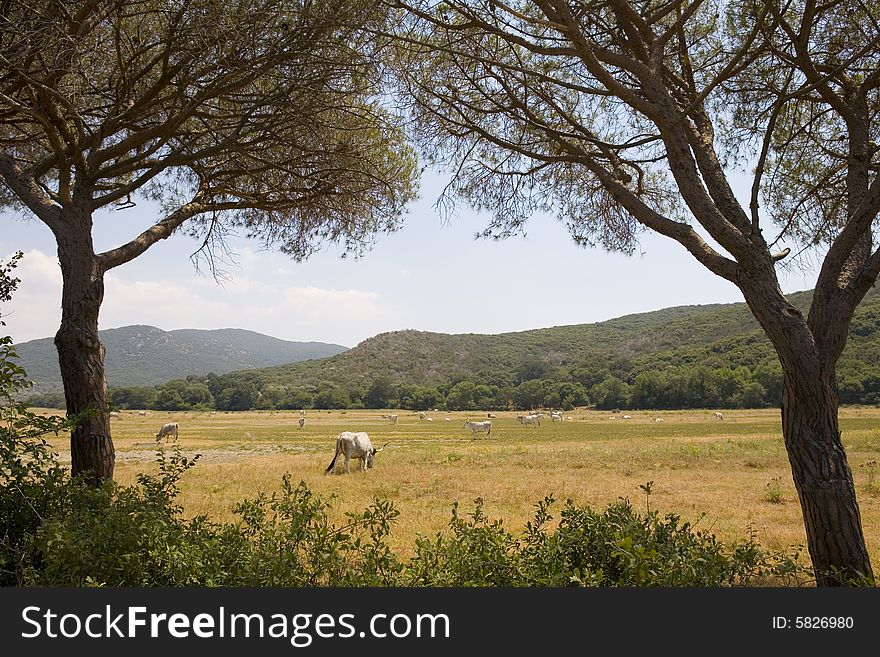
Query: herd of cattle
{"points": [[357, 444]]}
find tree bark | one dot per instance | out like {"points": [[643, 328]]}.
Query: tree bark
{"points": [[81, 354], [822, 478]]}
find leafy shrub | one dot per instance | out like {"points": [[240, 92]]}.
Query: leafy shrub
{"points": [[136, 536], [31, 480], [292, 542], [617, 547]]}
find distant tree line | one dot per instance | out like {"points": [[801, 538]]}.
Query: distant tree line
{"points": [[535, 384]]}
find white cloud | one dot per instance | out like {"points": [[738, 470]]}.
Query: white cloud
{"points": [[166, 304], [35, 309], [292, 312], [38, 269], [313, 313]]}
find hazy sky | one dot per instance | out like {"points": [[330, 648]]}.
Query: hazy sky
{"points": [[432, 275]]}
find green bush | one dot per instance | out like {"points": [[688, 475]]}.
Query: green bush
{"points": [[617, 547], [31, 480], [136, 536]]}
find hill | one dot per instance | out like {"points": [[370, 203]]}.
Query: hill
{"points": [[422, 358], [687, 356], [683, 357], [147, 356]]}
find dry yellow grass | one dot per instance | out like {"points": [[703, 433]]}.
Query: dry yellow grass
{"points": [[712, 472]]}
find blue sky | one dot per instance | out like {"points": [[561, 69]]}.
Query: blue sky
{"points": [[432, 275]]}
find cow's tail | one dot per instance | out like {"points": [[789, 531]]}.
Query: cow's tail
{"points": [[333, 462], [489, 432]]}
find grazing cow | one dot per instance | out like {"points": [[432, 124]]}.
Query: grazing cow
{"points": [[422, 415], [658, 419], [393, 419], [448, 419], [475, 427], [166, 430], [556, 416], [530, 419], [302, 422], [627, 417], [491, 415], [143, 413], [429, 419], [114, 414], [354, 445], [718, 416]]}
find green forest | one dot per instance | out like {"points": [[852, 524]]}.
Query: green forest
{"points": [[712, 356]]}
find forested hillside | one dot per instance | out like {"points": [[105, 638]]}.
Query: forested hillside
{"points": [[683, 357]]}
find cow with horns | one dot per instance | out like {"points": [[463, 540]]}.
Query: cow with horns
{"points": [[354, 445]]}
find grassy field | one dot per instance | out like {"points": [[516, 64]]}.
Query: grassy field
{"points": [[727, 476]]}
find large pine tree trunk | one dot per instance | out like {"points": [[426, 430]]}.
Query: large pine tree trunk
{"points": [[81, 355], [822, 477], [819, 467]]}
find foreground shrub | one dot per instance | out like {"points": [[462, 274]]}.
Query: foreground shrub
{"points": [[31, 480], [136, 536], [616, 547]]}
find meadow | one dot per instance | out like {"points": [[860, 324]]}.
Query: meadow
{"points": [[730, 477]]}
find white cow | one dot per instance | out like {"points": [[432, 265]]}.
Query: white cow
{"points": [[169, 429], [475, 427], [529, 419], [627, 417], [143, 413], [556, 416], [422, 415], [393, 419], [491, 415], [114, 414], [718, 416], [354, 445]]}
